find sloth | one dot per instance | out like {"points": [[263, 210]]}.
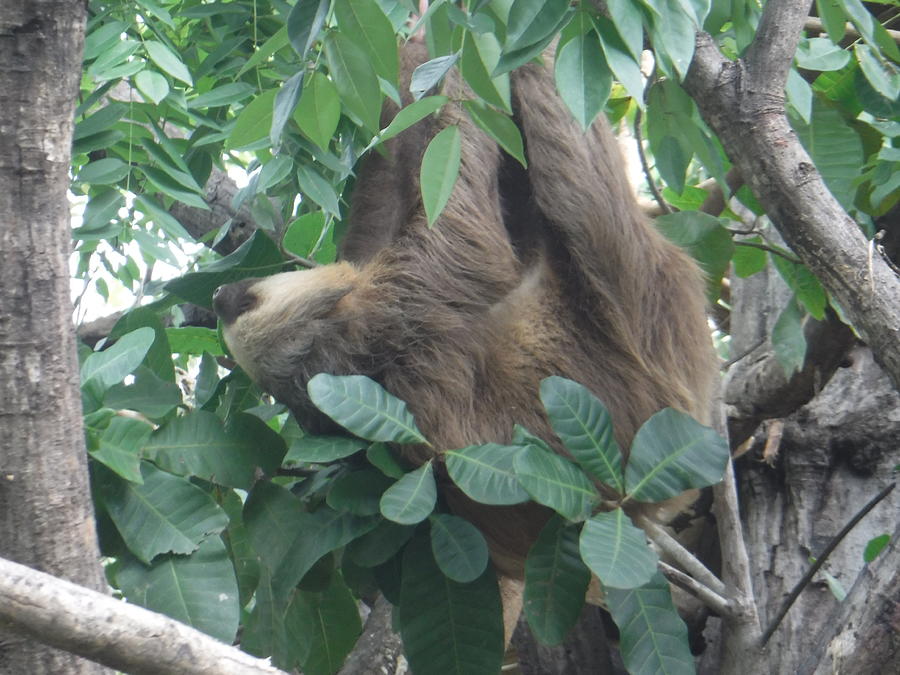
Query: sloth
{"points": [[528, 272]]}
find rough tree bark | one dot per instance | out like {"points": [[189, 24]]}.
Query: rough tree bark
{"points": [[46, 515]]}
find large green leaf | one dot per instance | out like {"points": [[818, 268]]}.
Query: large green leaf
{"points": [[148, 395], [285, 101], [254, 122], [411, 499], [653, 638], [321, 449], [788, 338], [120, 447], [584, 426], [448, 628], [164, 514], [325, 626], [370, 29], [198, 444], [458, 547], [480, 56], [803, 283], [409, 115], [103, 171], [555, 482], [704, 237], [319, 110], [317, 189], [379, 545], [556, 581], [583, 77], [168, 61], [199, 590], [617, 551], [486, 473], [628, 20], [358, 492], [304, 22], [835, 148], [672, 32], [288, 540], [499, 127], [672, 452], [355, 79], [263, 632], [110, 366], [531, 21], [258, 256], [427, 76], [364, 408], [618, 55], [439, 171]]}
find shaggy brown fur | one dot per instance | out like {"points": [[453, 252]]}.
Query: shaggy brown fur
{"points": [[549, 271]]}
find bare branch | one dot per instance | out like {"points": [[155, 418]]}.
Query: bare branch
{"points": [[709, 598], [119, 635], [688, 562]]}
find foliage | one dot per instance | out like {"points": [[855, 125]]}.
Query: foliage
{"points": [[214, 505]]}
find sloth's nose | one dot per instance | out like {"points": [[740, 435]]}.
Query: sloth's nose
{"points": [[232, 300]]}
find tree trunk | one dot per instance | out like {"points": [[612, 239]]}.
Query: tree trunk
{"points": [[46, 517]]}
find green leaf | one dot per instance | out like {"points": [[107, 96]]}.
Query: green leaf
{"points": [[99, 121], [556, 581], [380, 456], [555, 482], [623, 65], [326, 626], [380, 545], [371, 30], [788, 339], [194, 340], [820, 54], [799, 95], [199, 590], [364, 408], [427, 75], [486, 474], [835, 148], [748, 260], [162, 182], [254, 122], [288, 540], [168, 61], [875, 546], [703, 236], [530, 21], [319, 110], [227, 94], [100, 38], [411, 499], [120, 447], [626, 15], [653, 639], [148, 395], [804, 284], [304, 233], [480, 56], [304, 22], [584, 426], [672, 32], [103, 171], [175, 169], [152, 85], [583, 77], [257, 256], [881, 73], [499, 127], [285, 102], [319, 190], [458, 547], [197, 444], [409, 115], [617, 551], [448, 628], [833, 18], [358, 492], [439, 171], [110, 366], [672, 452], [355, 80], [164, 514], [263, 632], [321, 449]]}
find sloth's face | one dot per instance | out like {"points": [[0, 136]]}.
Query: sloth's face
{"points": [[280, 328]]}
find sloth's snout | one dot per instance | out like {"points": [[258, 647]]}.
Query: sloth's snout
{"points": [[232, 300]]}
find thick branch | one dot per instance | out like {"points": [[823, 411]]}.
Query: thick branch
{"points": [[746, 111], [112, 632]]}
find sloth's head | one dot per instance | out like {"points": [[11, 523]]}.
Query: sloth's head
{"points": [[283, 330]]}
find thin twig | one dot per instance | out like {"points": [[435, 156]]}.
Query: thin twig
{"points": [[770, 249], [669, 545], [820, 560], [639, 139], [734, 359], [710, 598]]}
